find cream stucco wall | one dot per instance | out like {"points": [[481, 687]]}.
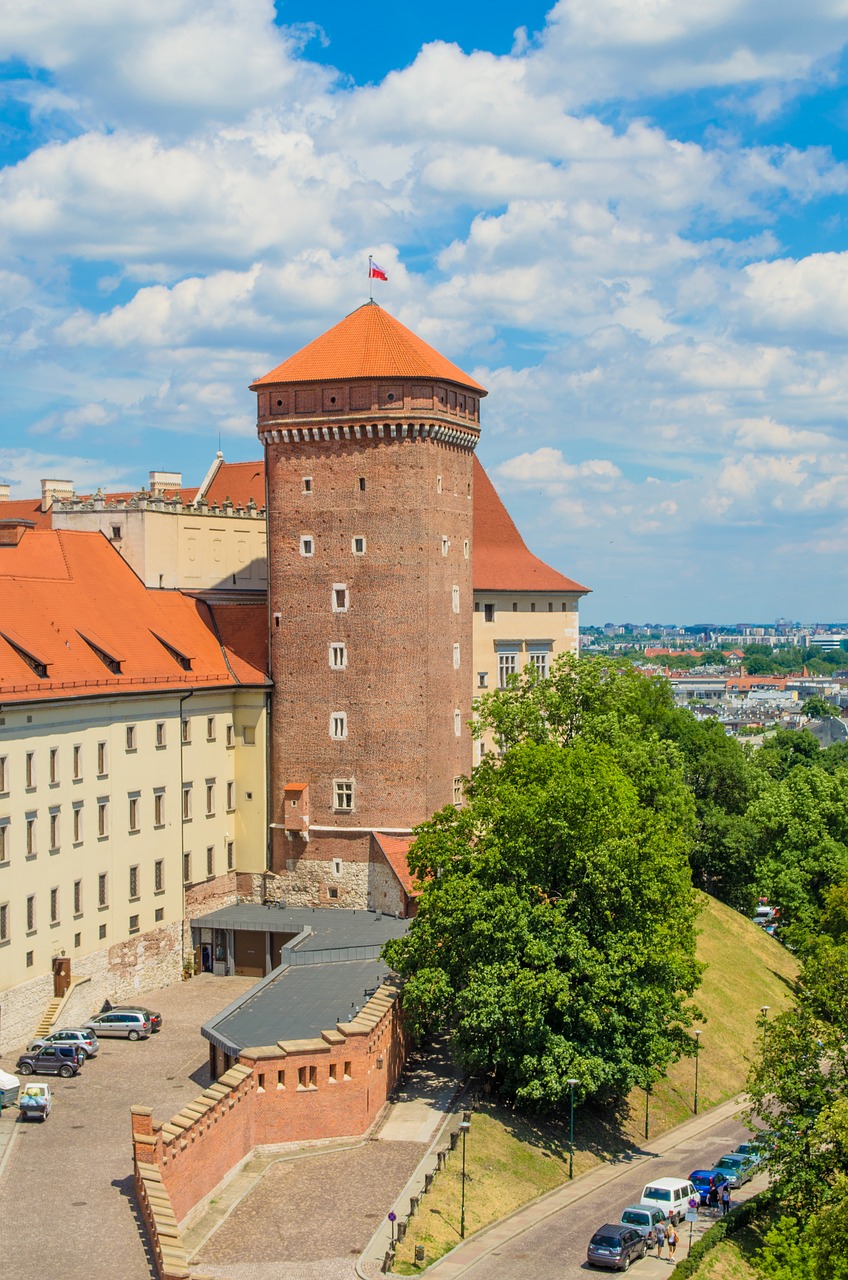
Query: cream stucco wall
{"points": [[522, 623], [150, 761], [173, 546]]}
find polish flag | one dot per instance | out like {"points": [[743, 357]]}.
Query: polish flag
{"points": [[375, 272]]}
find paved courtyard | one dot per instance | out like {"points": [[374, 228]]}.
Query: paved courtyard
{"points": [[66, 1199]]}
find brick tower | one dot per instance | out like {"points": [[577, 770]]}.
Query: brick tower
{"points": [[369, 438]]}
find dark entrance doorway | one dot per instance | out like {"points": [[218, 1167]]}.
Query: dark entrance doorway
{"points": [[61, 975], [249, 953]]}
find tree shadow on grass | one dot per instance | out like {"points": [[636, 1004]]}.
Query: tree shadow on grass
{"points": [[598, 1130]]}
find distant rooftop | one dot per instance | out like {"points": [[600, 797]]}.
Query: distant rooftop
{"points": [[330, 926]]}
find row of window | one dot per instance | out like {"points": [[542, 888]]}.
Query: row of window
{"points": [[308, 486], [131, 732], [103, 809], [189, 876], [508, 666], [307, 1077], [489, 611], [359, 547]]}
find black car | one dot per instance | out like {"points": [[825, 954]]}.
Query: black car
{"points": [[52, 1060], [616, 1246]]}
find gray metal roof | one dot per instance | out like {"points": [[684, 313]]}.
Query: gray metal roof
{"points": [[296, 1003], [331, 927]]}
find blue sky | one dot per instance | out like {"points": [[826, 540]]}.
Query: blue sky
{"points": [[627, 220]]}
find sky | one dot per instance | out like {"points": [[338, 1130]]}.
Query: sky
{"points": [[625, 218]]}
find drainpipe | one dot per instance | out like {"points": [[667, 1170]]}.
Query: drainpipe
{"points": [[184, 698]]}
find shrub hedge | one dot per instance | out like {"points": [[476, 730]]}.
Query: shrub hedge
{"points": [[738, 1218]]}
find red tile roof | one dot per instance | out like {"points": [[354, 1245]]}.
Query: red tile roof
{"points": [[395, 849], [238, 482], [58, 587], [25, 509], [243, 631], [369, 343], [501, 560]]}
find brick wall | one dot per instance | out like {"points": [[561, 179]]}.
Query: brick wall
{"points": [[277, 1094]]}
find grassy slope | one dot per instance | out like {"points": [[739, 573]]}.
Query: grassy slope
{"points": [[512, 1159]]}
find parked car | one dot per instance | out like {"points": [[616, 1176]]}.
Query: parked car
{"points": [[120, 1022], [155, 1019], [52, 1060], [672, 1195], [644, 1219], [35, 1101], [749, 1149], [86, 1041], [706, 1178], [736, 1168], [616, 1246]]}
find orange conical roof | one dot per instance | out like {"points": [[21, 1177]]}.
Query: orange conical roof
{"points": [[369, 343]]}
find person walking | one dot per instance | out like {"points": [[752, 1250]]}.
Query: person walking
{"points": [[673, 1239], [725, 1200], [712, 1197], [661, 1234]]}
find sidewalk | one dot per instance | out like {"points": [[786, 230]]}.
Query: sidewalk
{"points": [[8, 1133], [465, 1255]]}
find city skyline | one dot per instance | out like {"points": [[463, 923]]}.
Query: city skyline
{"points": [[627, 225]]}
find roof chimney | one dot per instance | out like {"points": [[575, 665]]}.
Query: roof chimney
{"points": [[63, 490], [164, 481], [5, 492], [11, 531]]}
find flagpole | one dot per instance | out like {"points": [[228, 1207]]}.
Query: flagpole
{"points": [[370, 280]]}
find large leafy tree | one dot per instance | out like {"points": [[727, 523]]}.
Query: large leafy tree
{"points": [[555, 932]]}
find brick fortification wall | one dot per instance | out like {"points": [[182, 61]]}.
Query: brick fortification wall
{"points": [[295, 1091]]}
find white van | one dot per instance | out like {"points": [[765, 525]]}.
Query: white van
{"points": [[672, 1195]]}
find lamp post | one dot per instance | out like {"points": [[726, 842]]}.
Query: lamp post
{"points": [[697, 1048], [647, 1103], [764, 1008], [571, 1084], [465, 1125]]}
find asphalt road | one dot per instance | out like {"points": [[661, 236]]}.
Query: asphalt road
{"points": [[555, 1249]]}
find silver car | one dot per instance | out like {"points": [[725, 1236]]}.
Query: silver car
{"points": [[130, 1023], [84, 1039]]}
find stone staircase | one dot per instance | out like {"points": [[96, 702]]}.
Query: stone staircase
{"points": [[51, 1014]]}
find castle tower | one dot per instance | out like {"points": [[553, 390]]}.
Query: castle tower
{"points": [[369, 438]]}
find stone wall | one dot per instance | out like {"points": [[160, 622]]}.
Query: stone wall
{"points": [[121, 973]]}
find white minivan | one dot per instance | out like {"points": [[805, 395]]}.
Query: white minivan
{"points": [[672, 1195]]}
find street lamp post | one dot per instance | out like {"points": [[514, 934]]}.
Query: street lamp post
{"points": [[697, 1048], [764, 1008], [647, 1104], [463, 1128], [571, 1084]]}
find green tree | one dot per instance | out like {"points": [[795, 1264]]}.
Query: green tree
{"points": [[818, 708], [555, 931]]}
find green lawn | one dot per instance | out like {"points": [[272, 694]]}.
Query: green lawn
{"points": [[512, 1159]]}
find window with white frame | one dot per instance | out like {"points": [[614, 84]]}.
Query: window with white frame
{"points": [[445, 544], [343, 795], [231, 796], [307, 484], [455, 599], [438, 484], [160, 733], [54, 765], [357, 546], [466, 548], [482, 679], [210, 797], [341, 599], [338, 725], [133, 799], [185, 730], [231, 736], [103, 817], [538, 659], [456, 657], [77, 762], [31, 835], [457, 722], [159, 807], [307, 545], [131, 738], [187, 801], [77, 819], [338, 657], [457, 791], [54, 829], [102, 760], [210, 728], [29, 769], [507, 666]]}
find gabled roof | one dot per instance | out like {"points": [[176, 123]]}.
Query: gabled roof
{"points": [[501, 561], [369, 343], [394, 850], [238, 482], [85, 625]]}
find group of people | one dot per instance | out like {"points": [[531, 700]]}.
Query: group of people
{"points": [[666, 1232]]}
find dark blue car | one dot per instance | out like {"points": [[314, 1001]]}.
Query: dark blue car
{"points": [[704, 1179]]}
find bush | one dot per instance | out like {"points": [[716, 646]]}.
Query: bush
{"points": [[738, 1218]]}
